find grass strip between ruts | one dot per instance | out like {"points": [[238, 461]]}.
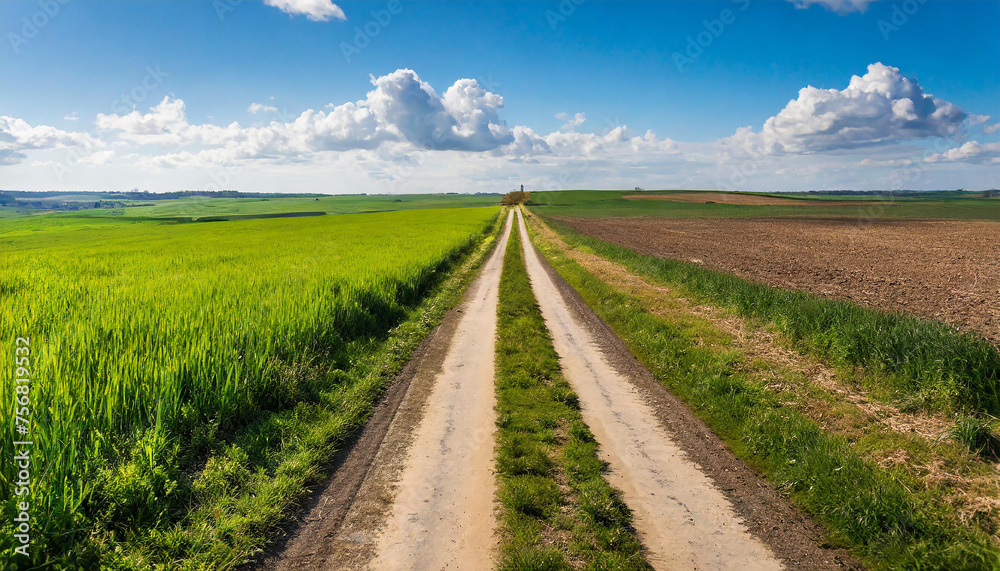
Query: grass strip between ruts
{"points": [[557, 510]]}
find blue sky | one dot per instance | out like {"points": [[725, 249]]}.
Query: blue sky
{"points": [[645, 120]]}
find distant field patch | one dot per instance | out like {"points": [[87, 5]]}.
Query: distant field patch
{"points": [[740, 198]]}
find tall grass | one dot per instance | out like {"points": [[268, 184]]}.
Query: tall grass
{"points": [[148, 336], [918, 363]]}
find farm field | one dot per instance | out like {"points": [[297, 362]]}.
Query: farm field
{"points": [[277, 393], [702, 204], [200, 208], [207, 208], [180, 370], [946, 270]]}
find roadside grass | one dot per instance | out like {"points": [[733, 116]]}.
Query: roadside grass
{"points": [[557, 510], [215, 498], [915, 363], [878, 511]]}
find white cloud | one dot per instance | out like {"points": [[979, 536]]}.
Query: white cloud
{"points": [[315, 10], [970, 152], [72, 116], [869, 162], [17, 136], [163, 117], [880, 107], [400, 108], [261, 108], [992, 128], [464, 118], [404, 136], [839, 6], [573, 122]]}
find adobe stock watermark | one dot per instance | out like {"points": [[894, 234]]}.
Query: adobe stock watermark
{"points": [[713, 29], [364, 35], [901, 14], [224, 7], [562, 13], [126, 102], [22, 446], [32, 25]]}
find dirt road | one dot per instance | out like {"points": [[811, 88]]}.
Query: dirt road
{"points": [[443, 512], [684, 521], [417, 490]]}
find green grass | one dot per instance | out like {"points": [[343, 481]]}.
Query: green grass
{"points": [[191, 380], [601, 203], [864, 506], [194, 208], [557, 511], [912, 362]]}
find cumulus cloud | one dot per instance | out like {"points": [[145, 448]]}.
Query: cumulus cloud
{"points": [[163, 117], [839, 6], [17, 136], [404, 132], [166, 123], [617, 142], [464, 118], [400, 108], [880, 107], [315, 10], [261, 108], [573, 122], [970, 152]]}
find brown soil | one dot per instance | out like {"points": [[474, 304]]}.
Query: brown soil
{"points": [[741, 198], [948, 270], [793, 537]]}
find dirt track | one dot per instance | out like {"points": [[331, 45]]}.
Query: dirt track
{"points": [[947, 270], [359, 516], [443, 511]]}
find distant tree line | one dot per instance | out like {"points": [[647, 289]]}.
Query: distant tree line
{"points": [[135, 194]]}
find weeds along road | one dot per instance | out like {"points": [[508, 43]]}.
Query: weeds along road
{"points": [[442, 516], [683, 520]]}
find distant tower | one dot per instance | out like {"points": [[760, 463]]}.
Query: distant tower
{"points": [[522, 188]]}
